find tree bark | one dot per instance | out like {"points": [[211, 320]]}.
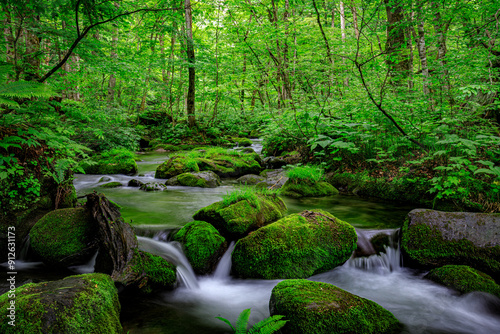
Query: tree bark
{"points": [[191, 61], [397, 57]]}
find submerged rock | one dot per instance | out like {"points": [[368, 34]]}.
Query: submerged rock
{"points": [[322, 308], [64, 237], [206, 179], [135, 183], [76, 304], [114, 184], [250, 179], [297, 188], [464, 279], [297, 246], [432, 239], [153, 186], [203, 245], [237, 219]]}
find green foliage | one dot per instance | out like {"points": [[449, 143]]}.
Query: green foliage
{"points": [[247, 193], [266, 326], [309, 173]]}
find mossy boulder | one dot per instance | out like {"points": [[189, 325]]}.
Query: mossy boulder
{"points": [[322, 308], [135, 183], [250, 179], [297, 246], [155, 272], [203, 245], [176, 165], [297, 188], [235, 220], [116, 161], [64, 237], [431, 239], [231, 165], [206, 179], [111, 185], [464, 279], [76, 304], [152, 186], [245, 142]]}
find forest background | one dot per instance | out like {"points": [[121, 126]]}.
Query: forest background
{"points": [[393, 99]]}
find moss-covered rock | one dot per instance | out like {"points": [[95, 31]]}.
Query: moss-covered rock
{"points": [[380, 241], [176, 165], [135, 183], [245, 142], [154, 271], [431, 239], [114, 184], [76, 304], [203, 245], [250, 179], [64, 237], [235, 220], [297, 188], [321, 308], [152, 186], [464, 279], [206, 179], [116, 161], [297, 246]]}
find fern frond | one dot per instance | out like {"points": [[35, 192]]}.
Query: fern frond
{"points": [[226, 321], [242, 322], [8, 103], [25, 89], [268, 325]]}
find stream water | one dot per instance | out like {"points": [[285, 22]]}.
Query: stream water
{"points": [[421, 305]]}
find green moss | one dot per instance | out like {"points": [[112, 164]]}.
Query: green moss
{"points": [[235, 218], [297, 246], [77, 304], [116, 161], [242, 141], [64, 237], [157, 272], [265, 171], [315, 307], [302, 188], [464, 279], [176, 165], [111, 185], [425, 246], [203, 245], [190, 180]]}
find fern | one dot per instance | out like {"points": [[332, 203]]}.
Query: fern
{"points": [[20, 89], [266, 326]]}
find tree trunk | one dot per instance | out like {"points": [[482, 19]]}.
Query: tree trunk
{"points": [[190, 55], [342, 30], [440, 31], [422, 53], [397, 57], [112, 78]]}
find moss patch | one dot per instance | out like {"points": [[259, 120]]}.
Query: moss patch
{"points": [[315, 307], [424, 246], [116, 161], [302, 188], [242, 141], [464, 279], [111, 185], [235, 219], [157, 272], [77, 304], [203, 245], [176, 165], [64, 237], [297, 246]]}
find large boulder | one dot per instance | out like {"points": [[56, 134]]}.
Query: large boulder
{"points": [[432, 239], [315, 307], [203, 245], [64, 237], [464, 279], [76, 304], [176, 165], [250, 179], [206, 179], [116, 161], [236, 219], [297, 246], [297, 188]]}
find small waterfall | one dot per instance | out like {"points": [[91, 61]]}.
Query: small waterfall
{"points": [[224, 267], [387, 261], [24, 253], [172, 252], [87, 267]]}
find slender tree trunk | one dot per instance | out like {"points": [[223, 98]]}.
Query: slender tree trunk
{"points": [[112, 78], [191, 62], [440, 31], [422, 53], [396, 47], [342, 31], [355, 19]]}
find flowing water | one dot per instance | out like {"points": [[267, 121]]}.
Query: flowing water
{"points": [[421, 305]]}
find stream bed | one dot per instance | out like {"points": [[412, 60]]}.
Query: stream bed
{"points": [[421, 305]]}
